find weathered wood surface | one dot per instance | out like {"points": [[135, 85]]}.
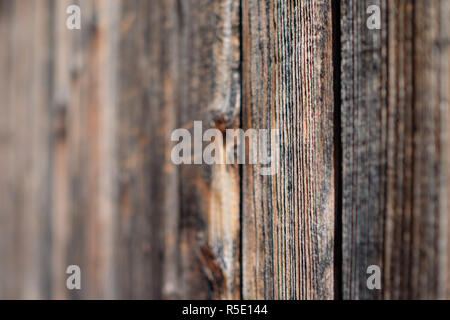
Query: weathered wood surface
{"points": [[179, 225], [209, 90], [24, 149], [145, 114], [90, 181], [82, 141], [395, 149], [86, 176], [288, 218]]}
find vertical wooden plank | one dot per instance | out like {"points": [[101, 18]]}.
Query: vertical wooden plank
{"points": [[148, 186], [26, 86], [394, 137], [358, 146], [7, 224], [59, 152], [40, 147], [444, 227], [83, 148], [209, 91], [83, 140], [288, 218], [109, 25], [5, 141]]}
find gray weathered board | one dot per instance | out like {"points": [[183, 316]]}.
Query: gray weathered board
{"points": [[395, 139]]}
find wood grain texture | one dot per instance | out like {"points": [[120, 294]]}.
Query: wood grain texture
{"points": [[288, 218], [179, 226], [86, 175], [209, 91], [395, 149], [90, 182]]}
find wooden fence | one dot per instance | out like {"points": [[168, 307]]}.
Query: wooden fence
{"points": [[86, 176]]}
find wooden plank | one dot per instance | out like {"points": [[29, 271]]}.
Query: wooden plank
{"points": [[83, 119], [209, 91], [146, 116], [24, 149], [59, 152], [394, 139], [179, 223], [288, 218], [5, 154]]}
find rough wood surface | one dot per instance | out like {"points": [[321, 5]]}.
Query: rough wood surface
{"points": [[395, 148], [90, 181], [86, 175], [178, 226], [288, 218], [209, 87]]}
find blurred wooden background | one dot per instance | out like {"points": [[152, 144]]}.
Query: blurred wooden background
{"points": [[85, 171]]}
